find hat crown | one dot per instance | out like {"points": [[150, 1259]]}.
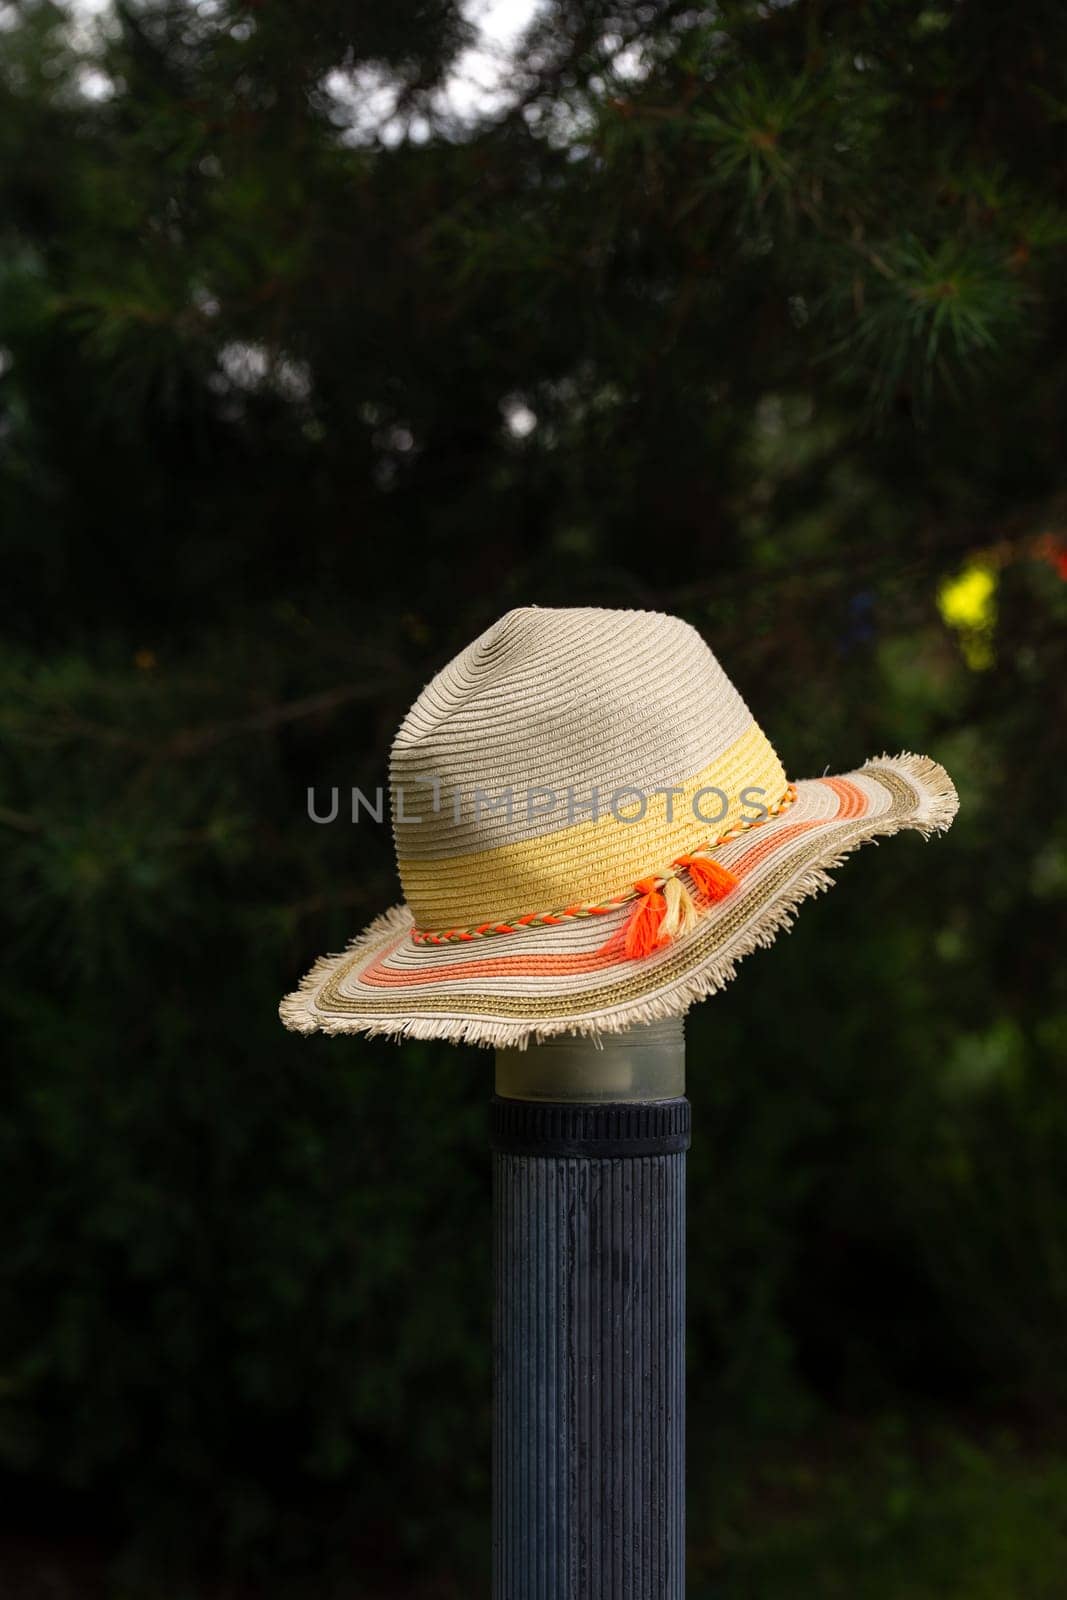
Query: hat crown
{"points": [[504, 772]]}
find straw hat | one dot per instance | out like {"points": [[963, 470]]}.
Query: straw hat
{"points": [[591, 830]]}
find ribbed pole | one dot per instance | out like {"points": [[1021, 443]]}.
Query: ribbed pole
{"points": [[589, 1349]]}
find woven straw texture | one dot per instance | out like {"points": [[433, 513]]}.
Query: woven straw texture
{"points": [[513, 777]]}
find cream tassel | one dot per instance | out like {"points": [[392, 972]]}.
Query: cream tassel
{"points": [[681, 914]]}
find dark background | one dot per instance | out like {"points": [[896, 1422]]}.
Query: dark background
{"points": [[753, 313]]}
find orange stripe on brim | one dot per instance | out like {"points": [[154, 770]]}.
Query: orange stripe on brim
{"points": [[851, 801]]}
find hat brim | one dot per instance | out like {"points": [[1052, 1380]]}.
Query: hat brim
{"points": [[521, 987]]}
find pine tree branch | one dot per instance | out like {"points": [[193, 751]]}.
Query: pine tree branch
{"points": [[193, 741]]}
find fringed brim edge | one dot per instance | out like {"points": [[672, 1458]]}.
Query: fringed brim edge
{"points": [[936, 808]]}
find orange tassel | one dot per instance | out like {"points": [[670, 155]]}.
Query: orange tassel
{"points": [[712, 879], [645, 922]]}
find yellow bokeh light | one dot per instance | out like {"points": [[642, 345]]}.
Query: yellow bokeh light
{"points": [[968, 604], [969, 600]]}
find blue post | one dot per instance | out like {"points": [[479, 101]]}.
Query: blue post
{"points": [[589, 1326]]}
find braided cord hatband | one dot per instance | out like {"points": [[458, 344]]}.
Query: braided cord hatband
{"points": [[548, 919]]}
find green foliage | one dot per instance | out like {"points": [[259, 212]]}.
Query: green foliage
{"points": [[755, 315], [928, 1518]]}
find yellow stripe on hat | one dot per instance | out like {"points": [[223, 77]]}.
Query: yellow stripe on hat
{"points": [[590, 859]]}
